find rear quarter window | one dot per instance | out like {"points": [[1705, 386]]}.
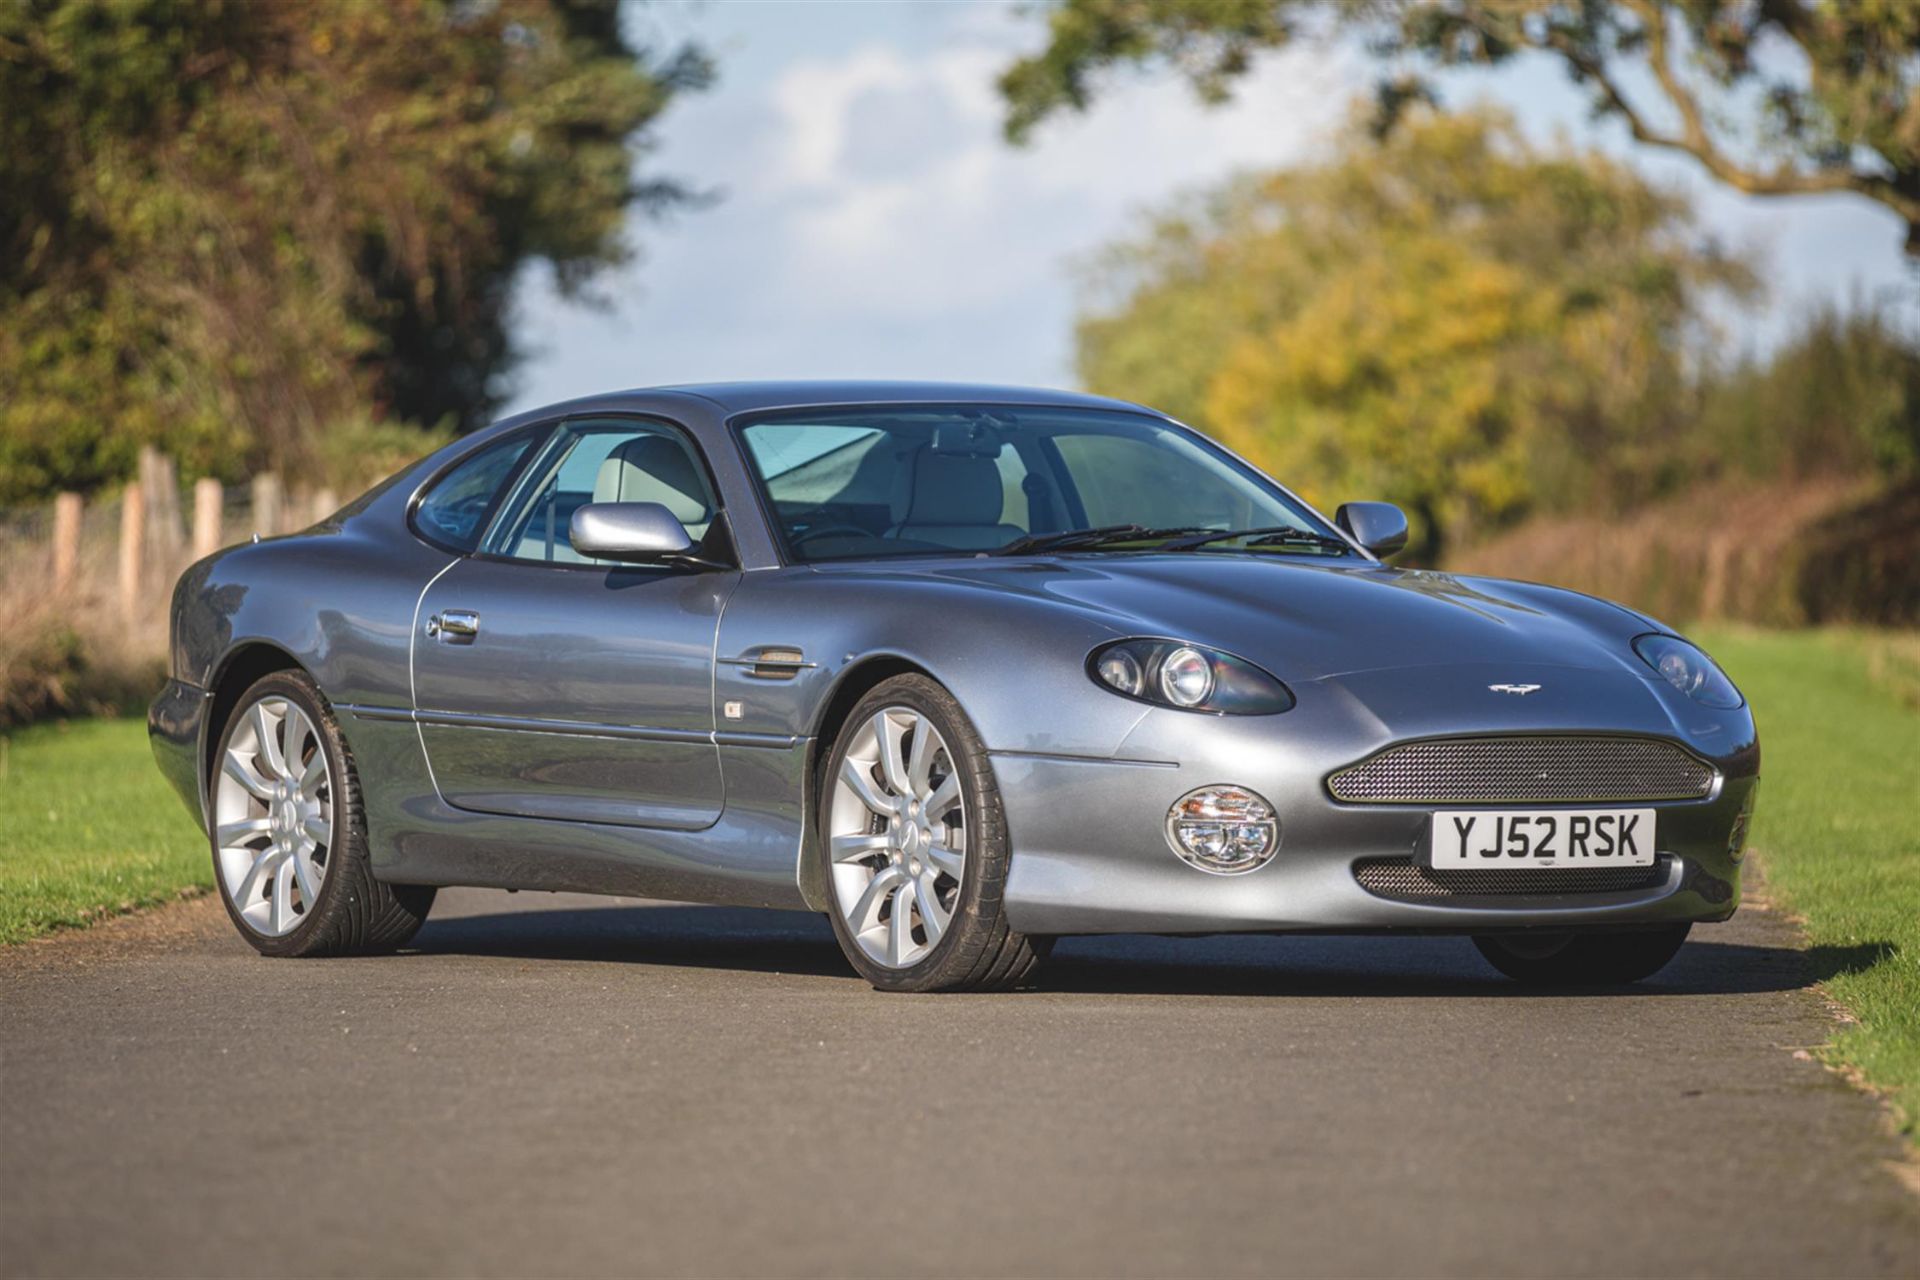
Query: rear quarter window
{"points": [[453, 512]]}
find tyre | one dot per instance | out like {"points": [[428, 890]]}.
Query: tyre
{"points": [[913, 847], [289, 833], [1582, 959]]}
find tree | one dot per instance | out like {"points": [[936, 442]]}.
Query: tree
{"points": [[229, 228], [1838, 95], [1447, 318]]}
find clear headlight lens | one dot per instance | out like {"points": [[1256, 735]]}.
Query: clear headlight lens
{"points": [[1689, 670], [1225, 830], [1187, 677]]}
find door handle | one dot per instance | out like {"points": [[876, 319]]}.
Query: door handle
{"points": [[454, 626]]}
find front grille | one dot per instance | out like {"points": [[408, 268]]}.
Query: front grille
{"points": [[1402, 878], [1555, 769]]}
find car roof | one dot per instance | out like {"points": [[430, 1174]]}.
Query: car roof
{"points": [[731, 398], [741, 397]]}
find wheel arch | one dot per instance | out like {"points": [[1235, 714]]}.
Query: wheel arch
{"points": [[236, 673]]}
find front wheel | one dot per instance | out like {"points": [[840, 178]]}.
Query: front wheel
{"points": [[1582, 959], [913, 846]]}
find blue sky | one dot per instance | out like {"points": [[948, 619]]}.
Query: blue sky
{"points": [[871, 223]]}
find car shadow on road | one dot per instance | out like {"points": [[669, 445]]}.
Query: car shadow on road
{"points": [[744, 938], [1411, 967], [760, 941]]}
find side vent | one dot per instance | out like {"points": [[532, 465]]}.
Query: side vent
{"points": [[775, 662]]}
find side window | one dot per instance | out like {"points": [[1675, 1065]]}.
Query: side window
{"points": [[600, 462], [453, 510]]}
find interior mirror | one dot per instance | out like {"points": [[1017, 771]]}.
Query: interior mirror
{"points": [[1380, 527], [638, 532], [966, 440]]}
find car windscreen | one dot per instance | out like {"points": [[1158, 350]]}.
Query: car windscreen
{"points": [[927, 480]]}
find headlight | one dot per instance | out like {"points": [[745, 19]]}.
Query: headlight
{"points": [[1187, 677], [1689, 670]]}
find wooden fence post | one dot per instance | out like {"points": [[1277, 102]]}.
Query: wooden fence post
{"points": [[160, 486], [266, 504], [208, 509], [66, 541], [133, 531]]}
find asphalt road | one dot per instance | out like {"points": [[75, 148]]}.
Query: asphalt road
{"points": [[574, 1086]]}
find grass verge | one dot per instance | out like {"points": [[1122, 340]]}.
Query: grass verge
{"points": [[1838, 826], [88, 827]]}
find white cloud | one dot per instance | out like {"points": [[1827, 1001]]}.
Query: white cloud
{"points": [[900, 196], [873, 220]]}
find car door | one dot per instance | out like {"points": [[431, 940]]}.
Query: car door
{"points": [[549, 685]]}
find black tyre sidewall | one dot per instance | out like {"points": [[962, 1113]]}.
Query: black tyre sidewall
{"points": [[1589, 959]]}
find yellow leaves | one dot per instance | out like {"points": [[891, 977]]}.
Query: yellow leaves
{"points": [[1424, 319], [1392, 360]]}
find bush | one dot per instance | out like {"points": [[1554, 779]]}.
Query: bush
{"points": [[48, 668], [1862, 564], [1841, 396]]}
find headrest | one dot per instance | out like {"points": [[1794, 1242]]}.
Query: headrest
{"points": [[948, 489], [654, 468]]}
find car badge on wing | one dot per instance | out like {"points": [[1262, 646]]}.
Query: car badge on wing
{"points": [[1520, 689]]}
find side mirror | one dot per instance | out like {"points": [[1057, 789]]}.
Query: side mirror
{"points": [[637, 532], [1380, 527]]}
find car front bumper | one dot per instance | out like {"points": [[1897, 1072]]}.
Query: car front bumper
{"points": [[1091, 855]]}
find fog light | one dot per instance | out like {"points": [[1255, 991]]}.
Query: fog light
{"points": [[1223, 830]]}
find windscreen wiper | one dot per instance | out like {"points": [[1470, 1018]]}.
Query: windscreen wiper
{"points": [[1087, 539], [1284, 535]]}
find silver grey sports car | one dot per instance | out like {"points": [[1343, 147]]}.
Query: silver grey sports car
{"points": [[964, 668]]}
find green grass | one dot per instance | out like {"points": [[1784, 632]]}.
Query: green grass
{"points": [[88, 827], [1838, 826]]}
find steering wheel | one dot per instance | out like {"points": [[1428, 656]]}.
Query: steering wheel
{"points": [[825, 530]]}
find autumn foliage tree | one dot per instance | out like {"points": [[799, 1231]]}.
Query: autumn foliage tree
{"points": [[1448, 318], [237, 229]]}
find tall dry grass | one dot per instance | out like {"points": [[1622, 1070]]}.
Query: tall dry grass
{"points": [[81, 648], [1824, 550], [89, 646]]}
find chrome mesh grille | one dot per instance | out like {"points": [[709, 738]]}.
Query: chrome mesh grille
{"points": [[1546, 768], [1401, 878]]}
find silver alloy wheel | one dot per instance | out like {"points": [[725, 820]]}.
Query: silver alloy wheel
{"points": [[897, 837], [273, 816]]}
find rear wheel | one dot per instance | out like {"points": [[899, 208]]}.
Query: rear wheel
{"points": [[1582, 959], [913, 844], [289, 833]]}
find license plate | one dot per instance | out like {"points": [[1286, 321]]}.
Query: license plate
{"points": [[1541, 838]]}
